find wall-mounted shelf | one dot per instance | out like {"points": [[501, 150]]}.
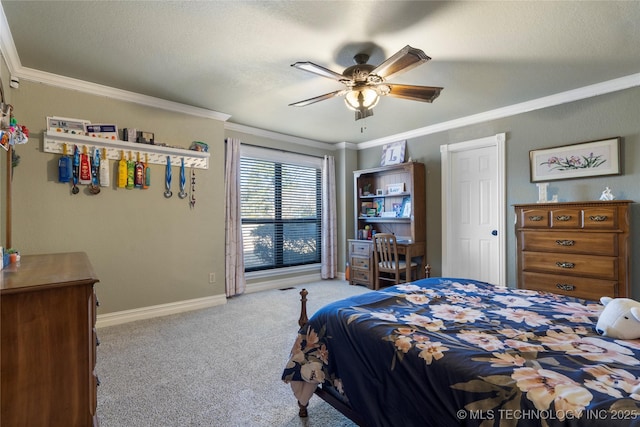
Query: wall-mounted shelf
{"points": [[53, 142]]}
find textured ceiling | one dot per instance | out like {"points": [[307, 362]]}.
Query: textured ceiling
{"points": [[234, 57]]}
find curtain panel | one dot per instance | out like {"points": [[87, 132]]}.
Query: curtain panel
{"points": [[329, 269], [235, 282]]}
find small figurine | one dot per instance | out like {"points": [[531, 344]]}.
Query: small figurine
{"points": [[606, 194]]}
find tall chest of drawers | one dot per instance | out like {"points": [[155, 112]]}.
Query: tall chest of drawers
{"points": [[579, 249], [48, 315]]}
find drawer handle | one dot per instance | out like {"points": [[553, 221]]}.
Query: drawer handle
{"points": [[565, 264], [565, 242], [598, 218], [565, 287], [563, 218], [535, 218]]}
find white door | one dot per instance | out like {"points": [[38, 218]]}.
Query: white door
{"points": [[473, 210]]}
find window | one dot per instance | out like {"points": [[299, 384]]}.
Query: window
{"points": [[281, 198]]}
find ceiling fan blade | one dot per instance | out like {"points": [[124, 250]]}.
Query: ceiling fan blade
{"points": [[403, 60], [414, 93], [317, 69], [317, 99]]}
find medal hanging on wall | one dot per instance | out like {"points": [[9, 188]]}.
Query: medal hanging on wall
{"points": [[131, 172], [94, 188], [192, 199], [167, 179], [85, 167], [65, 166], [147, 173], [182, 194], [138, 180], [76, 170]]}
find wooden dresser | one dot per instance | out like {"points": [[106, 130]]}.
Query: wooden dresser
{"points": [[579, 249], [48, 313]]}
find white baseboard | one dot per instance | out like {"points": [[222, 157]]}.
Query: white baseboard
{"points": [[119, 317]]}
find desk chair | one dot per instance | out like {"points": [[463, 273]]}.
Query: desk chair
{"points": [[387, 266]]}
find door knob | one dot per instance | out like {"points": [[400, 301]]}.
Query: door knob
{"points": [[494, 232]]}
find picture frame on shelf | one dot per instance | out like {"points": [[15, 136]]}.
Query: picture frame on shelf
{"points": [[364, 208], [378, 205], [395, 188], [585, 159], [397, 208], [393, 153], [406, 208], [379, 192]]}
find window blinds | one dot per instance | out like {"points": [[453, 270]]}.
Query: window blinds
{"points": [[281, 211]]}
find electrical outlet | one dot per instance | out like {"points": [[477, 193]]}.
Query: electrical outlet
{"points": [[212, 277]]}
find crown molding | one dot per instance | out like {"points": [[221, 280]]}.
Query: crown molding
{"points": [[7, 47], [347, 146], [585, 92], [279, 136], [119, 94]]}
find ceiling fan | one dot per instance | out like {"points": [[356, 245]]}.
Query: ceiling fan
{"points": [[365, 83]]}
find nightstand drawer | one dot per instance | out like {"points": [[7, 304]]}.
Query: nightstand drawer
{"points": [[571, 242], [600, 267], [579, 287]]}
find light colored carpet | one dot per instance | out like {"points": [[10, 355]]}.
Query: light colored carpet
{"points": [[214, 367]]}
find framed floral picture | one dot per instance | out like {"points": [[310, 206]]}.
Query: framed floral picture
{"points": [[586, 159]]}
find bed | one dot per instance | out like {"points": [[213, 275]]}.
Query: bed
{"points": [[445, 351]]}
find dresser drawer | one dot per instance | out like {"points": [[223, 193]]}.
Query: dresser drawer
{"points": [[359, 263], [360, 248], [604, 218], [571, 242], [534, 218], [579, 287], [566, 218], [601, 267]]}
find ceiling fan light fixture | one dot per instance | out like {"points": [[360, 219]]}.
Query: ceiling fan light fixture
{"points": [[361, 98]]}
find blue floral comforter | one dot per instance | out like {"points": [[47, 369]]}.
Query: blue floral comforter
{"points": [[446, 352]]}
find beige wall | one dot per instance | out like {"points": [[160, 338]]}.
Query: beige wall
{"points": [[610, 115], [147, 250]]}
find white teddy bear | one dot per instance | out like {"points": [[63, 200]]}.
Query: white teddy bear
{"points": [[619, 319]]}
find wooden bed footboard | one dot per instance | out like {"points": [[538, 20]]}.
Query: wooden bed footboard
{"points": [[340, 406]]}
